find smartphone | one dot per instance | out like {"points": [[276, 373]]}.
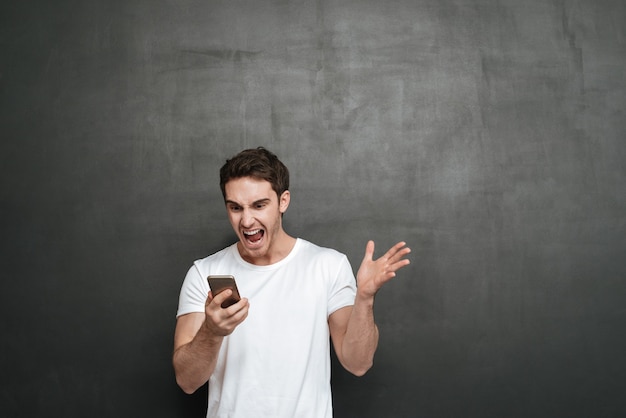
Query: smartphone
{"points": [[219, 283]]}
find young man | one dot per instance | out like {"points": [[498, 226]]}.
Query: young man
{"points": [[268, 355]]}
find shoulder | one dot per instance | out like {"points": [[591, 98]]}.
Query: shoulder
{"points": [[322, 259], [195, 287], [313, 250], [225, 255]]}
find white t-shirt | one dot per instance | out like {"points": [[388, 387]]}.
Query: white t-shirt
{"points": [[277, 362]]}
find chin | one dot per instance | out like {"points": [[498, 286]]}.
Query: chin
{"points": [[254, 252]]}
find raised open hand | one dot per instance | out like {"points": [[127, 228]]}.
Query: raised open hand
{"points": [[373, 274]]}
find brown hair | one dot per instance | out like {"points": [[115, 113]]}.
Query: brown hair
{"points": [[258, 163]]}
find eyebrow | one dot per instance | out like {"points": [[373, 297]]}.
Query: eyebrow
{"points": [[256, 202]]}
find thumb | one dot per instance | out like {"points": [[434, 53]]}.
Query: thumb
{"points": [[369, 251]]}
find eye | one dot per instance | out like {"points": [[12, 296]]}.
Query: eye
{"points": [[234, 208]]}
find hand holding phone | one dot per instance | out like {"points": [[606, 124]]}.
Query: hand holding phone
{"points": [[219, 283]]}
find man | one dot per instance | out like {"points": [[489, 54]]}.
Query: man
{"points": [[268, 355]]}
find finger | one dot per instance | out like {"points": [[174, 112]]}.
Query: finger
{"points": [[390, 253], [397, 252], [238, 309], [222, 296], [369, 251], [399, 264], [400, 255], [393, 268], [398, 247]]}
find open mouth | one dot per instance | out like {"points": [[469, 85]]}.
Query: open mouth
{"points": [[254, 236]]}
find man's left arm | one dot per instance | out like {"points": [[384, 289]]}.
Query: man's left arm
{"points": [[353, 330]]}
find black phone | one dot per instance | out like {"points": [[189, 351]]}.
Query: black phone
{"points": [[219, 283]]}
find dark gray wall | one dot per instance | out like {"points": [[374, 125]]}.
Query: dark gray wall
{"points": [[490, 135]]}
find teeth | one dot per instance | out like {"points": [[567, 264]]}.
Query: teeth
{"points": [[256, 231]]}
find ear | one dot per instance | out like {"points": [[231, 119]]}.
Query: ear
{"points": [[283, 201]]}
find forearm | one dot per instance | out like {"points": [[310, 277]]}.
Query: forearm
{"points": [[195, 361], [361, 339]]}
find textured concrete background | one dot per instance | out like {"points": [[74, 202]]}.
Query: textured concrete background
{"points": [[489, 135]]}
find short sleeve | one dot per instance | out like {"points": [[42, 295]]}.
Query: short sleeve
{"points": [[193, 293], [343, 288]]}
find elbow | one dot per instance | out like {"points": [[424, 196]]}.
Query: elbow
{"points": [[360, 370], [184, 376], [184, 381], [185, 386], [187, 391], [357, 363]]}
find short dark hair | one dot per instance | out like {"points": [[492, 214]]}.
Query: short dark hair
{"points": [[259, 163]]}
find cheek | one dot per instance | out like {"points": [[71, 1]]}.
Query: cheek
{"points": [[234, 219]]}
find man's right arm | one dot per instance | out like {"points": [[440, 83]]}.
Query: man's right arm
{"points": [[198, 338]]}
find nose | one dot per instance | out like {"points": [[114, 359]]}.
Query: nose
{"points": [[247, 219]]}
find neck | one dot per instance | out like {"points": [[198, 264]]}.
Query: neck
{"points": [[280, 249]]}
